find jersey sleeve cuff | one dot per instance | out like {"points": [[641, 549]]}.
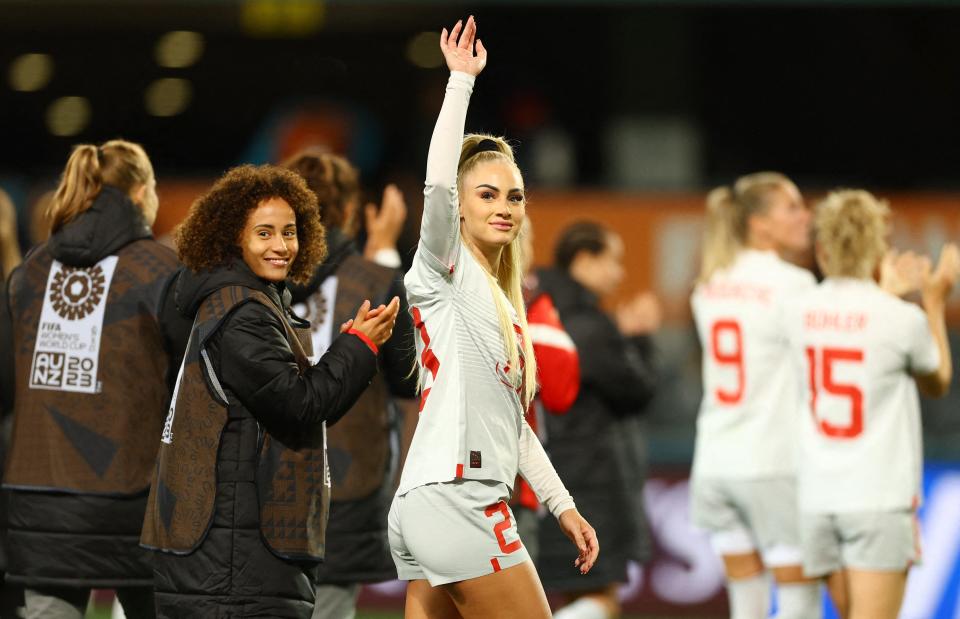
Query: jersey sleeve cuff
{"points": [[563, 506], [464, 78], [388, 257], [366, 340]]}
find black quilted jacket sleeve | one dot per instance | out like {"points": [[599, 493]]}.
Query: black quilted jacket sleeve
{"points": [[253, 360]]}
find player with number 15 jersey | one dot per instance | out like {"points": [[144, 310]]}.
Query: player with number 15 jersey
{"points": [[864, 352]]}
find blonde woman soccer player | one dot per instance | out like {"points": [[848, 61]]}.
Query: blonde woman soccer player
{"points": [[452, 533], [864, 354], [743, 481]]}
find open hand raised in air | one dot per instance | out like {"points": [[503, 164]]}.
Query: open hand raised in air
{"points": [[458, 48], [385, 225]]}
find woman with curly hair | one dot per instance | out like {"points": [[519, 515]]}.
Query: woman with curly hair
{"points": [[865, 353], [238, 506]]}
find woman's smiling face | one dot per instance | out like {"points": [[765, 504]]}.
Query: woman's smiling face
{"points": [[492, 204], [269, 239]]}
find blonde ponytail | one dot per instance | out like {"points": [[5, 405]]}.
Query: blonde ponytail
{"points": [[721, 243], [80, 184], [509, 279], [476, 149], [118, 163], [851, 227], [728, 214]]}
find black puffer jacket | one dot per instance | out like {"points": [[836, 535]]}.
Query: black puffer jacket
{"points": [[233, 573], [596, 446], [357, 547], [78, 539]]}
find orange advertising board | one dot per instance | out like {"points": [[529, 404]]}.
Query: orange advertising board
{"points": [[661, 232]]}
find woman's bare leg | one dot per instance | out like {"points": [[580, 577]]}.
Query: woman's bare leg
{"points": [[839, 590], [876, 595], [512, 593], [426, 602]]}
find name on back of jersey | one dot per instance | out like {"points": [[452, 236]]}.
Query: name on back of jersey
{"points": [[829, 320], [739, 291]]}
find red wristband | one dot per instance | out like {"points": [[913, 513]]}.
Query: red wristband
{"points": [[366, 340]]}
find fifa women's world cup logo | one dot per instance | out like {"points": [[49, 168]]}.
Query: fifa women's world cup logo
{"points": [[66, 354], [75, 293], [313, 310]]}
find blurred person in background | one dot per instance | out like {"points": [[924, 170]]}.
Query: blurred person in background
{"points": [[359, 446], [239, 501], [11, 595], [38, 218], [558, 382], [743, 482], [88, 363], [598, 445], [452, 533], [10, 255], [864, 353]]}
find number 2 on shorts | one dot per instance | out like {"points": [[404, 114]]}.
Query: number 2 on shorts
{"points": [[829, 357], [729, 358], [503, 525]]}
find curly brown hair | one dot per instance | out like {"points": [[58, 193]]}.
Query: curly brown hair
{"points": [[210, 235]]}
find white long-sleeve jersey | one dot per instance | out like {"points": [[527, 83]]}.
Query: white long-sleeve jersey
{"points": [[471, 422], [861, 444], [749, 417]]}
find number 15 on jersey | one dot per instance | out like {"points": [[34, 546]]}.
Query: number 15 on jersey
{"points": [[822, 365]]}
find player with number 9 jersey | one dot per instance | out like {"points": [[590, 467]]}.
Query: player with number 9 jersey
{"points": [[747, 415], [743, 479]]}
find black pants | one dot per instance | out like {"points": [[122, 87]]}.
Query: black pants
{"points": [[11, 599]]}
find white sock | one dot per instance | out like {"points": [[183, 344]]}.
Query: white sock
{"points": [[799, 600], [584, 608], [749, 597]]}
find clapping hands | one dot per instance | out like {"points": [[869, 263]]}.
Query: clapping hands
{"points": [[641, 315], [903, 273], [937, 284], [376, 323], [908, 272]]}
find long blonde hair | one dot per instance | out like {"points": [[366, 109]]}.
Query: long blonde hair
{"points": [[509, 275], [728, 214], [119, 163], [851, 227]]}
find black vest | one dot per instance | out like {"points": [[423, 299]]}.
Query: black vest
{"points": [[358, 446], [90, 367], [180, 507]]}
